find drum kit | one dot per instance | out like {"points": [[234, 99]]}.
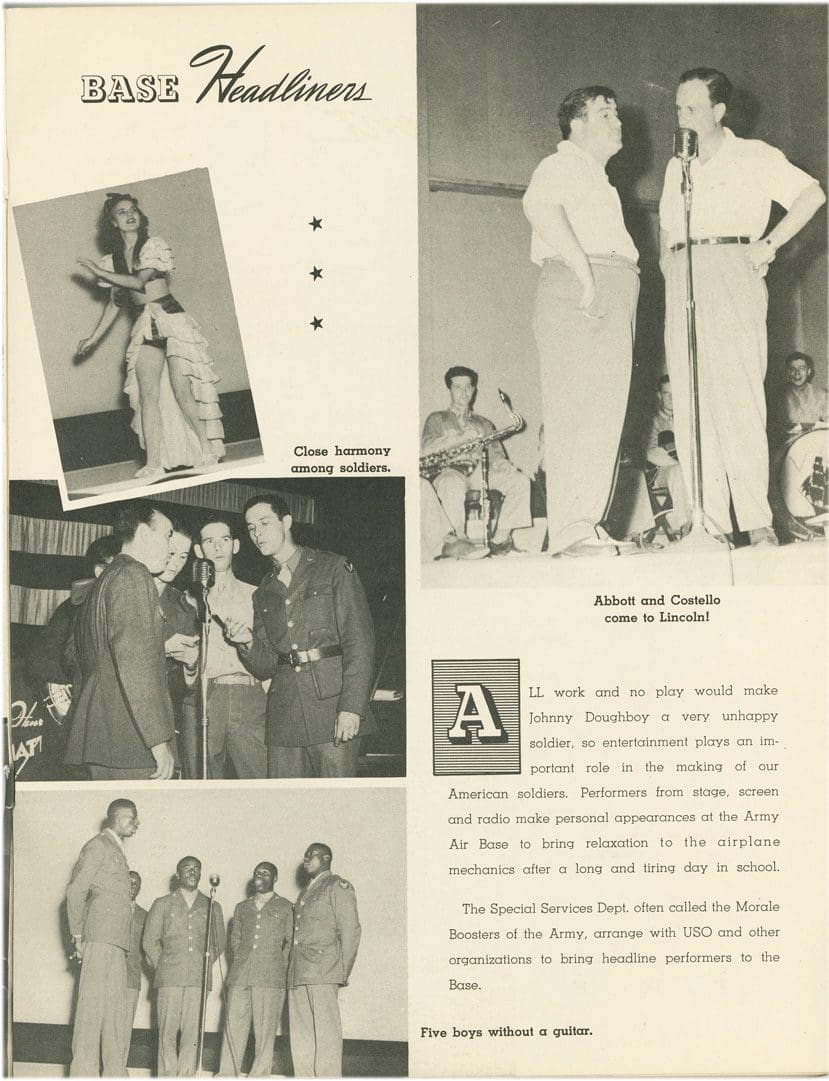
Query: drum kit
{"points": [[802, 477]]}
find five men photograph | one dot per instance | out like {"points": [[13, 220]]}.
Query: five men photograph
{"points": [[222, 638], [262, 946]]}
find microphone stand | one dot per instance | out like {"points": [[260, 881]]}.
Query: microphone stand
{"points": [[204, 639], [698, 536], [205, 974]]}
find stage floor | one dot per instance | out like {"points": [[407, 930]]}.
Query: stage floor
{"points": [[678, 566], [120, 476]]}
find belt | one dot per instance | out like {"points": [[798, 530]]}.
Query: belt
{"points": [[234, 678], [305, 656], [713, 240]]}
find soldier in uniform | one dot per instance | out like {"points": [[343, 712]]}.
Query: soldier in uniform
{"points": [[98, 909], [260, 942], [326, 939], [174, 937], [121, 724], [139, 916], [313, 637]]}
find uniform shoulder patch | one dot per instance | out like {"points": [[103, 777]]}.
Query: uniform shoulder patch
{"points": [[343, 884], [348, 566]]}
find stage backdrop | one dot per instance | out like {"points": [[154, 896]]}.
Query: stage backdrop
{"points": [[230, 831], [490, 81]]}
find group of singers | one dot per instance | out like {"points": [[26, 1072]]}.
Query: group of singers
{"points": [[150, 664], [584, 324], [305, 951]]}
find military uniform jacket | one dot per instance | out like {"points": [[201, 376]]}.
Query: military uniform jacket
{"points": [[260, 942], [122, 707], [326, 932], [139, 916], [98, 894], [174, 937], [325, 605]]}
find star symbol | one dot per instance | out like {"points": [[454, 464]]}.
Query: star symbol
{"points": [[316, 272], [315, 223], [316, 323]]}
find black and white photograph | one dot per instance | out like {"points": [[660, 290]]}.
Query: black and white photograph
{"points": [[138, 337], [238, 630], [232, 932], [623, 293]]}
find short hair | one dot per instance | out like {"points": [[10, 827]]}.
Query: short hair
{"points": [[219, 519], [574, 106], [101, 551], [120, 805], [810, 364], [129, 516], [662, 380], [277, 504], [719, 85], [187, 859], [267, 863], [323, 849], [460, 370]]}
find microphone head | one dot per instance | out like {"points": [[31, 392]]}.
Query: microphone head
{"points": [[686, 144], [214, 879], [203, 573]]}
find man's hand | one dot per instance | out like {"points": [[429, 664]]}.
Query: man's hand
{"points": [[237, 632], [183, 648], [588, 304], [760, 254], [346, 727], [78, 954], [164, 762]]}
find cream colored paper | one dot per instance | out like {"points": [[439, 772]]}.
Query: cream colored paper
{"points": [[273, 167]]}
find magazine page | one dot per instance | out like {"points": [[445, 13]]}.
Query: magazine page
{"points": [[417, 540]]}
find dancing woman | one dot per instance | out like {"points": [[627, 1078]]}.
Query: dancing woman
{"points": [[170, 379]]}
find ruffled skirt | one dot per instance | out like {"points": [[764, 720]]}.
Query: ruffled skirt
{"points": [[186, 351]]}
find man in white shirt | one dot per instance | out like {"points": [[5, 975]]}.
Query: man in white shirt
{"points": [[235, 698], [734, 182], [584, 318]]}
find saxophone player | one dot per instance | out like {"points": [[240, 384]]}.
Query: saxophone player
{"points": [[456, 426]]}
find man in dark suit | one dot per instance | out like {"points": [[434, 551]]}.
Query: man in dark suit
{"points": [[98, 910], [313, 637], [326, 939], [174, 942], [121, 724], [139, 916], [260, 943]]}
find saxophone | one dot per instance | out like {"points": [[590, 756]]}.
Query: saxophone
{"points": [[465, 455]]}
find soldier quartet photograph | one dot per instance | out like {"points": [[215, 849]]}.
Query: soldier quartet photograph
{"points": [[243, 629], [224, 931]]}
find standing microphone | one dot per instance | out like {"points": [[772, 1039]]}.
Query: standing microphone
{"points": [[686, 144], [203, 573], [214, 878]]}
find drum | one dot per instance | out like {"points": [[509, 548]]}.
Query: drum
{"points": [[802, 480]]}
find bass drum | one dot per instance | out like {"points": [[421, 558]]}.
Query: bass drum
{"points": [[803, 498]]}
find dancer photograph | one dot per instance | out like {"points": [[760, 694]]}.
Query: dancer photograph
{"points": [[171, 380], [138, 336]]}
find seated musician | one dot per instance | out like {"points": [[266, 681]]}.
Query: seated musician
{"points": [[803, 404], [661, 452], [457, 426]]}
